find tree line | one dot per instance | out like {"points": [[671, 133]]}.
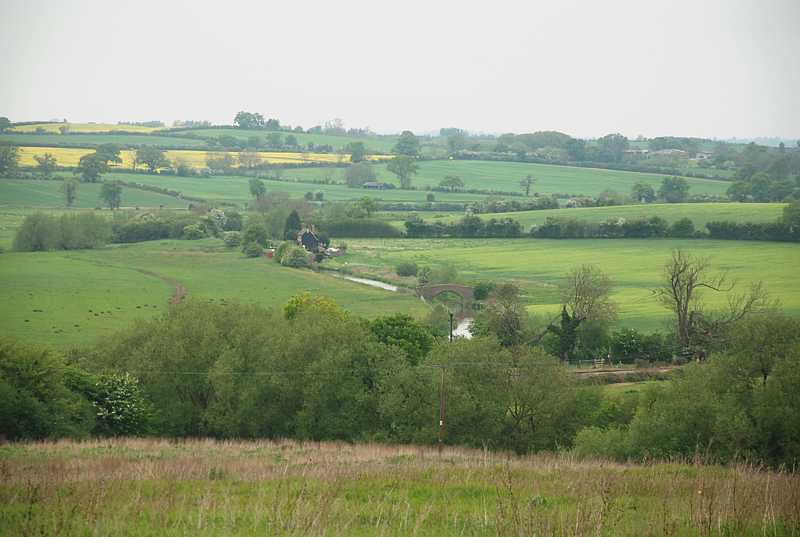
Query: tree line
{"points": [[786, 228], [316, 372]]}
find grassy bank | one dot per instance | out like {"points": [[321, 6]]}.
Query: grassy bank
{"points": [[202, 487]]}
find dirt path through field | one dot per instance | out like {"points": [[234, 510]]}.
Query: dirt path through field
{"points": [[178, 295], [179, 291]]}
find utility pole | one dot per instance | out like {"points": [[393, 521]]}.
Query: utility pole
{"points": [[441, 412], [451, 327]]}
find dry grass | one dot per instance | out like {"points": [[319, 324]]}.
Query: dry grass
{"points": [[204, 487]]}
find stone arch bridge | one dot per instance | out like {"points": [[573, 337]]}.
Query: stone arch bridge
{"points": [[430, 291]]}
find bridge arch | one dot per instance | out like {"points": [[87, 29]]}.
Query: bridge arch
{"points": [[430, 291]]}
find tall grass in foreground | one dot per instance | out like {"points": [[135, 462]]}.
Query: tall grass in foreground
{"points": [[204, 487]]}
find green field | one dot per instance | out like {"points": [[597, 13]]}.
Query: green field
{"points": [[635, 266], [699, 213], [236, 189], [381, 144], [499, 176], [505, 177], [153, 487], [37, 193], [45, 294], [91, 140]]}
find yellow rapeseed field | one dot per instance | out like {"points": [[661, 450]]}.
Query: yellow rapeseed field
{"points": [[81, 127], [196, 159]]}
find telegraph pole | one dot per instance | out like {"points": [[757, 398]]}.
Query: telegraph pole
{"points": [[441, 412], [451, 327]]}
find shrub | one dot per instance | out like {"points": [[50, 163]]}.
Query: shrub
{"points": [[119, 405], [407, 268], [35, 402], [233, 221], [138, 231], [683, 228], [628, 345], [294, 256], [255, 233], [482, 289], [594, 442], [281, 249], [193, 232], [40, 232], [233, 239], [253, 249]]}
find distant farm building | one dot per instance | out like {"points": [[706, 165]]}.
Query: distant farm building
{"points": [[308, 239], [372, 185]]}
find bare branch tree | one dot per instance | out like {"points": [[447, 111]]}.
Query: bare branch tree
{"points": [[587, 295], [686, 277]]}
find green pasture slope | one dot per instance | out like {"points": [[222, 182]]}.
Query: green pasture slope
{"points": [[382, 144], [37, 193], [635, 266], [46, 294], [236, 189], [92, 140], [501, 176], [549, 179], [699, 213]]}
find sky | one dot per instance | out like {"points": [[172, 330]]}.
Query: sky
{"points": [[715, 68]]}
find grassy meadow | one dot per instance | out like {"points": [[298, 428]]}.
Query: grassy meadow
{"points": [[540, 266], [549, 179], [152, 487], [41, 193], [236, 189], [92, 139], [75, 297], [699, 213]]}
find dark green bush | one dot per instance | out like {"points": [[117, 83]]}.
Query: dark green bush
{"points": [[233, 239], [407, 268], [35, 402], [253, 249], [193, 232], [40, 232]]}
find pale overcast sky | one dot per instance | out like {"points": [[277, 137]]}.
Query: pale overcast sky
{"points": [[715, 68]]}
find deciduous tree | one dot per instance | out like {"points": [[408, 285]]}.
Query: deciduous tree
{"points": [[257, 188], [404, 167], [111, 194], [109, 153], [359, 173], [9, 157], [91, 167], [527, 183], [643, 193], [407, 144], [686, 277], [70, 189], [357, 151], [46, 164], [152, 157], [674, 190], [452, 183]]}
